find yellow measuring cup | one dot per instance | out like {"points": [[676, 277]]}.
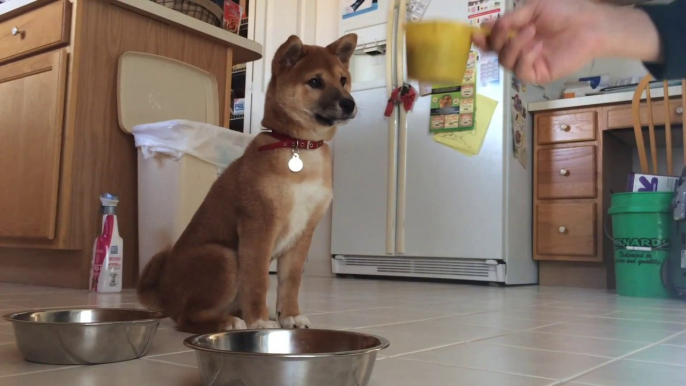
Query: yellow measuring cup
{"points": [[437, 51]]}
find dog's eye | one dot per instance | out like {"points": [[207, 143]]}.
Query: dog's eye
{"points": [[315, 83], [344, 80]]}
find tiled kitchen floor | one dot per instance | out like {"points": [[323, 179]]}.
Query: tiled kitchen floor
{"points": [[441, 334]]}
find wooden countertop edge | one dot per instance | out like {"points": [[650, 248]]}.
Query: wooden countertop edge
{"points": [[244, 50], [597, 100]]}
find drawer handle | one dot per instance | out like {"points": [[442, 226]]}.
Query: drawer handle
{"points": [[565, 128], [562, 230], [564, 172], [16, 31], [679, 110]]}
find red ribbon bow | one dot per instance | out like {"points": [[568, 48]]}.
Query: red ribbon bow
{"points": [[405, 95]]}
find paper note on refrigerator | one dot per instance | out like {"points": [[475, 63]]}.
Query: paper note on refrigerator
{"points": [[470, 142]]}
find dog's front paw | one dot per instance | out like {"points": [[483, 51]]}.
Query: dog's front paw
{"points": [[272, 315], [297, 321], [263, 324], [236, 324]]}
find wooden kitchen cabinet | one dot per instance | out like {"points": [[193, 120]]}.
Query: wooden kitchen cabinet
{"points": [[32, 93], [60, 142], [582, 155]]}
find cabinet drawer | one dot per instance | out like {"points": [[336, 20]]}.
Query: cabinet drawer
{"points": [[565, 230], [570, 127], [566, 173], [620, 117], [35, 31]]}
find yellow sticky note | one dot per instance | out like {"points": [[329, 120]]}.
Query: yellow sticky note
{"points": [[470, 142]]}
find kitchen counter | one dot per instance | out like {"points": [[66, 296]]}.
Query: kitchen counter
{"points": [[596, 100], [244, 50]]}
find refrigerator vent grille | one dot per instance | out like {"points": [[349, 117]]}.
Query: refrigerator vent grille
{"points": [[423, 266]]}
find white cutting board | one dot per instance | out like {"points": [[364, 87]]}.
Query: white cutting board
{"points": [[154, 88]]}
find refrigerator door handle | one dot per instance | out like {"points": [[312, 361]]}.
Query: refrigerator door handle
{"points": [[392, 131], [402, 131]]}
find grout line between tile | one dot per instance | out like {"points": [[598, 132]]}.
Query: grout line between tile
{"points": [[171, 353], [546, 350], [478, 369], [655, 363], [41, 371], [466, 342], [415, 321], [170, 363], [594, 337], [571, 379]]}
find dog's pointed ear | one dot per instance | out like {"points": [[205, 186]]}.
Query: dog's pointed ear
{"points": [[288, 54], [344, 48]]}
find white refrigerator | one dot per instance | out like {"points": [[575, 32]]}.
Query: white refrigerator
{"points": [[405, 205]]}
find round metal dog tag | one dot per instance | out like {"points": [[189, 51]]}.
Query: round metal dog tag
{"points": [[295, 164]]}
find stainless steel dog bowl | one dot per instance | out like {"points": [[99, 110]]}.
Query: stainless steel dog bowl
{"points": [[84, 336], [286, 357]]}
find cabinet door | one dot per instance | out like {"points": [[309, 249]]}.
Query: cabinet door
{"points": [[32, 93]]}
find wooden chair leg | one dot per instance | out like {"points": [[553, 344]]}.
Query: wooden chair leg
{"points": [[668, 130], [638, 132]]}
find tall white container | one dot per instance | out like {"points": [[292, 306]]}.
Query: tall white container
{"points": [[182, 154]]}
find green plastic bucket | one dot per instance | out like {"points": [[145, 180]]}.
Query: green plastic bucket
{"points": [[641, 226]]}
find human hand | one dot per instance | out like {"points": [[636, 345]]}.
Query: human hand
{"points": [[555, 38]]}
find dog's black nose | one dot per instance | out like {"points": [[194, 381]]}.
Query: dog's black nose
{"points": [[347, 105]]}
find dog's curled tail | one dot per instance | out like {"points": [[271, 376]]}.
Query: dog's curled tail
{"points": [[149, 280]]}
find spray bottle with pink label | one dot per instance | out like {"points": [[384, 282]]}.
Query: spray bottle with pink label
{"points": [[106, 268]]}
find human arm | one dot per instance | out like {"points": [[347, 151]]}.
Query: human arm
{"points": [[555, 38]]}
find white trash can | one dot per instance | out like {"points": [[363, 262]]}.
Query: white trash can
{"points": [[178, 161]]}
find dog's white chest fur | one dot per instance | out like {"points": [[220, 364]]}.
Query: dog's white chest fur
{"points": [[307, 198]]}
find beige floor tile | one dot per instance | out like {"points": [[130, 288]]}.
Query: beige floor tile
{"points": [[6, 329], [677, 340], [442, 328], [672, 355], [5, 308], [656, 315], [136, 372], [637, 324], [569, 344], [398, 372], [333, 306], [634, 373], [607, 332], [573, 311], [184, 359], [12, 363], [405, 314], [488, 320], [6, 338], [349, 320], [511, 360], [455, 307], [9, 289], [406, 343], [590, 325], [69, 300], [168, 341], [533, 313]]}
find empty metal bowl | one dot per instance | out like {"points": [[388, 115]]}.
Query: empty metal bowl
{"points": [[286, 357], [84, 336]]}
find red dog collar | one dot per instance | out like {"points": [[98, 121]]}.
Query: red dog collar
{"points": [[286, 142]]}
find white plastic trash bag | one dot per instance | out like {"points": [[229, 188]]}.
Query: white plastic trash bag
{"points": [[216, 145]]}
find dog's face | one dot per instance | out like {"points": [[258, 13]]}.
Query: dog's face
{"points": [[311, 85]]}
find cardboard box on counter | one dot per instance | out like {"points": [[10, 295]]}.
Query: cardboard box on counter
{"points": [[651, 183]]}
